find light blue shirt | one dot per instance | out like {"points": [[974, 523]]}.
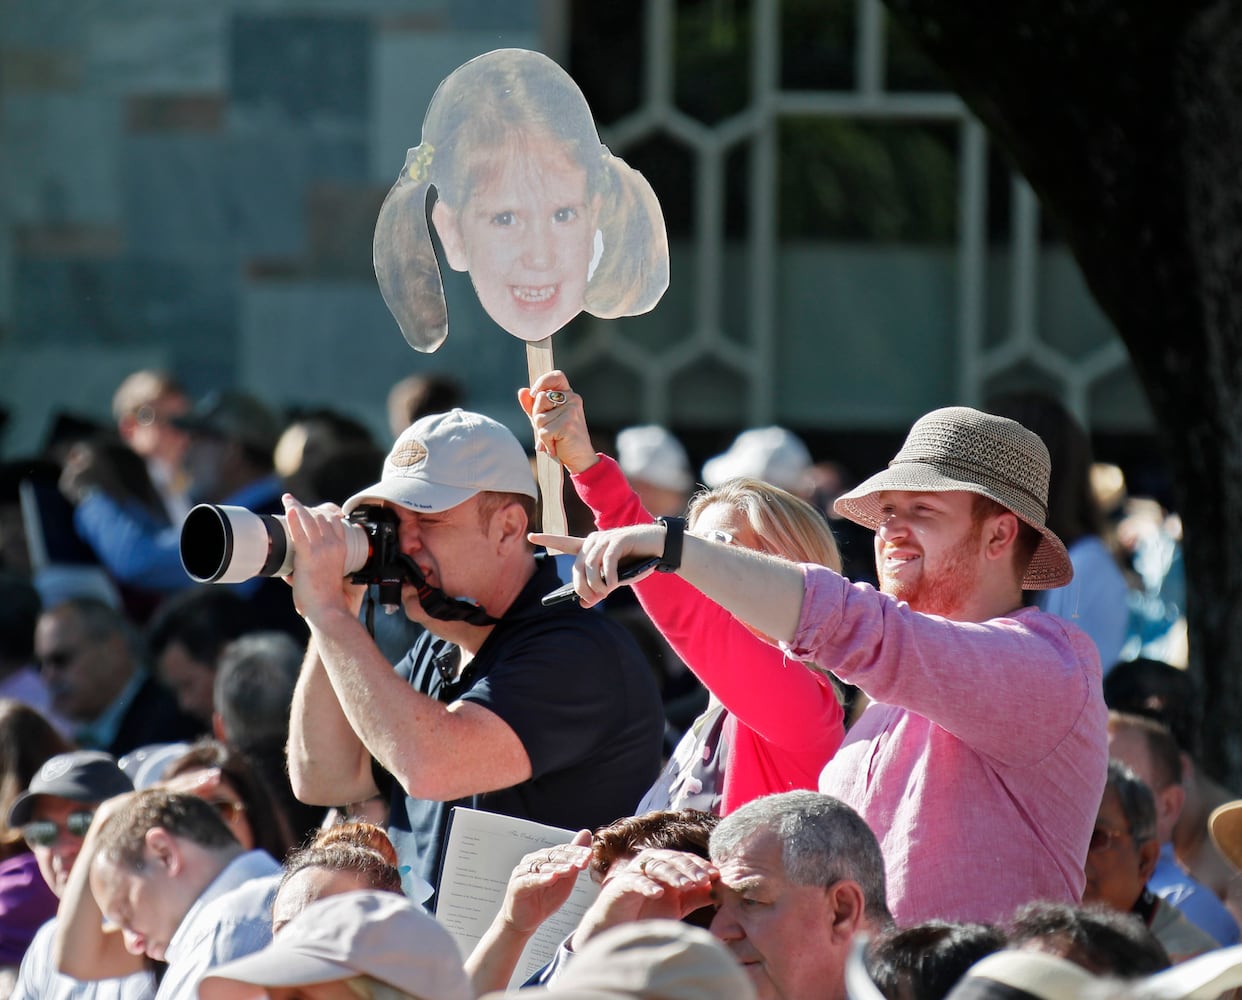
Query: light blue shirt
{"points": [[138, 550], [37, 979], [1198, 903], [230, 919], [1096, 600]]}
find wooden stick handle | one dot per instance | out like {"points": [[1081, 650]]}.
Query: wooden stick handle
{"points": [[548, 469]]}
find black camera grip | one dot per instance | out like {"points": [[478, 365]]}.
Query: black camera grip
{"points": [[628, 572]]}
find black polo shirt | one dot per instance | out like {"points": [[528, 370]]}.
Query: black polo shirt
{"points": [[575, 688]]}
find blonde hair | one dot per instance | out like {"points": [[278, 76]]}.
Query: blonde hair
{"points": [[784, 524]]}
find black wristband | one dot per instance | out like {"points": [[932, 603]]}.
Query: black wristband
{"points": [[674, 534]]}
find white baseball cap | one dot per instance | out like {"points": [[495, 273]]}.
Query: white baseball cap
{"points": [[648, 960], [377, 934], [650, 453], [770, 454], [444, 459]]}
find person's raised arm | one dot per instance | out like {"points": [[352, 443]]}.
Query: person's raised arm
{"points": [[557, 416], [761, 590], [435, 751], [799, 709], [539, 886], [328, 763], [656, 885], [82, 948]]}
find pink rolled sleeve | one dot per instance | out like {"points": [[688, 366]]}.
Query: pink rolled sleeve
{"points": [[981, 763]]}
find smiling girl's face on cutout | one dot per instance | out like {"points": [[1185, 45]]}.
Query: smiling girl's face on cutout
{"points": [[526, 233]]}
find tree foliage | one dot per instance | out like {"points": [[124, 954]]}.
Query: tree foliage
{"points": [[1126, 119]]}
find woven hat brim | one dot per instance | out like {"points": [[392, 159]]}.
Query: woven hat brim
{"points": [[1225, 827], [1050, 566]]}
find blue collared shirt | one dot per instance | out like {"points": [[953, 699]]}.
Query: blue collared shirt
{"points": [[1198, 903], [230, 919], [141, 552]]}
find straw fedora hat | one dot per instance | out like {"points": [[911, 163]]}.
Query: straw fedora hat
{"points": [[1225, 827], [958, 448]]}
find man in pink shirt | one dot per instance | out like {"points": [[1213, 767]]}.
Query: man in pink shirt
{"points": [[982, 758]]}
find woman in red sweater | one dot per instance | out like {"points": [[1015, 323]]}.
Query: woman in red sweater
{"points": [[771, 723]]}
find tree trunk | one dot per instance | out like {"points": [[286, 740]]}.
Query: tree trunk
{"points": [[1126, 119]]}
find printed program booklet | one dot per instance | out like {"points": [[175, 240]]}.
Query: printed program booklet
{"points": [[480, 853]]}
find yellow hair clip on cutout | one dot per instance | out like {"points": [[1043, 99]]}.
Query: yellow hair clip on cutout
{"points": [[420, 165]]}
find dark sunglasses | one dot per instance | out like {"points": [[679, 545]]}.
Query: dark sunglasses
{"points": [[44, 832]]}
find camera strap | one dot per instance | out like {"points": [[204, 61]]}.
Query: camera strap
{"points": [[438, 604]]}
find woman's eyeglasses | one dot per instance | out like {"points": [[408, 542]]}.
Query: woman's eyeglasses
{"points": [[45, 832]]}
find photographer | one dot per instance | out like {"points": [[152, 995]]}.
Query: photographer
{"points": [[503, 704]]}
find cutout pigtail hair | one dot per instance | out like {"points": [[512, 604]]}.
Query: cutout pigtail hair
{"points": [[633, 272], [405, 258]]}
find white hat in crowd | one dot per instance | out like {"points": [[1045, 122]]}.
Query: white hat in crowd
{"points": [[380, 935], [648, 960], [1016, 974], [651, 453], [770, 454], [1024, 975]]}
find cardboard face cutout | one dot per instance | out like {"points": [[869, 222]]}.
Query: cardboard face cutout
{"points": [[524, 197]]}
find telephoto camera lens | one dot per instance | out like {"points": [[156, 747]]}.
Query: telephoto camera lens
{"points": [[221, 544]]}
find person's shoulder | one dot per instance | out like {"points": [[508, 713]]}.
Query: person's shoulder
{"points": [[1068, 640], [239, 920], [1091, 552], [1199, 904], [569, 626], [252, 899], [254, 872], [1181, 938]]}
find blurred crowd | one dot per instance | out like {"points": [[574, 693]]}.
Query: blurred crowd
{"points": [[840, 737]]}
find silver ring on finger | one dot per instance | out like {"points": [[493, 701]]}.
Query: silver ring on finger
{"points": [[557, 398]]}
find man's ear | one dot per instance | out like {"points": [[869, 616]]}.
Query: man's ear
{"points": [[164, 849], [1002, 534], [847, 906], [445, 220], [1149, 854], [1169, 804], [510, 526], [1188, 769]]}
